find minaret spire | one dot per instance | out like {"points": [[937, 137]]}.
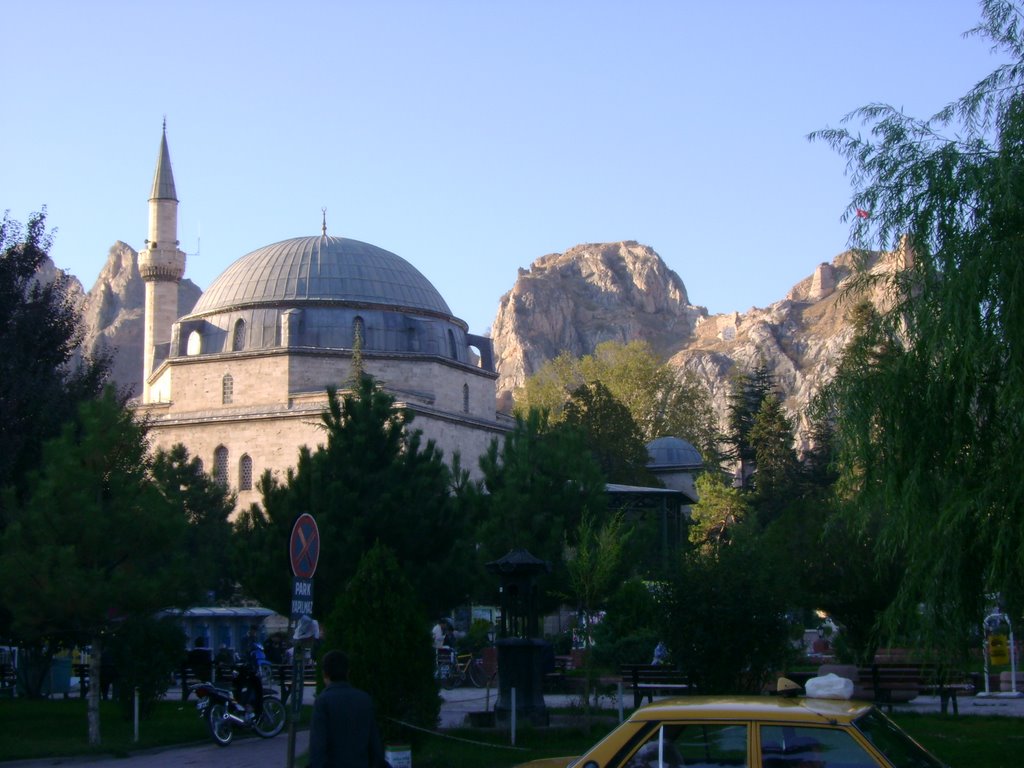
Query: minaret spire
{"points": [[161, 266], [163, 178]]}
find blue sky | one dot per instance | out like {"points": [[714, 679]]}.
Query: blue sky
{"points": [[470, 138]]}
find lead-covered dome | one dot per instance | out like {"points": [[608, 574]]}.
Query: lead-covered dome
{"points": [[672, 453], [321, 270], [321, 293]]}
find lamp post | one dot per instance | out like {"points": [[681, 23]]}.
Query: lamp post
{"points": [[521, 651]]}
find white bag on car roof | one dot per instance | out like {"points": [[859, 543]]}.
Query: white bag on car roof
{"points": [[830, 686]]}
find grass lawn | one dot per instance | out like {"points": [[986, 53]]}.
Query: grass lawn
{"points": [[971, 741], [58, 728], [36, 729]]}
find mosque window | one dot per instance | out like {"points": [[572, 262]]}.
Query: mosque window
{"points": [[358, 333], [220, 465], [227, 389], [195, 344], [238, 337], [200, 467], [245, 473], [465, 398], [452, 351]]}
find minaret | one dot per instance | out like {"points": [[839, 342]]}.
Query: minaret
{"points": [[161, 264]]}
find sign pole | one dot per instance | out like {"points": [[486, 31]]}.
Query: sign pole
{"points": [[304, 553]]}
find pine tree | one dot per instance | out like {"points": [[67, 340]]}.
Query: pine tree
{"points": [[374, 480], [94, 541], [379, 623]]}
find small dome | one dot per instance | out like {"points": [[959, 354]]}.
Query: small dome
{"points": [[321, 270], [672, 453]]}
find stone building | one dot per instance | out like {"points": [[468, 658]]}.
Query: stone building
{"points": [[241, 380]]}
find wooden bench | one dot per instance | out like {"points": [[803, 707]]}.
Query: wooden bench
{"points": [[901, 682], [888, 683], [8, 678], [652, 680], [554, 680]]}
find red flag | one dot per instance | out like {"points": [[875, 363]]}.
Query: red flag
{"points": [[862, 214]]}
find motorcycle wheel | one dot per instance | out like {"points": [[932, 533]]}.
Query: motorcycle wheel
{"points": [[220, 724], [272, 720], [477, 676]]}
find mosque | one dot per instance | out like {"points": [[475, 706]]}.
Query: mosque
{"points": [[241, 380]]}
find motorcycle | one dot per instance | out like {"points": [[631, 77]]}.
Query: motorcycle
{"points": [[225, 709]]}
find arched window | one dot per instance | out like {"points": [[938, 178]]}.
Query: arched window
{"points": [[245, 473], [238, 337], [465, 398], [200, 467], [227, 389], [453, 353], [358, 333], [220, 465], [195, 344]]}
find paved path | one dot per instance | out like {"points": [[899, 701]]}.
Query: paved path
{"points": [[272, 753]]}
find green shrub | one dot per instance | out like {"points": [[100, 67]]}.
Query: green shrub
{"points": [[476, 638], [377, 622], [638, 648], [146, 652], [726, 623]]}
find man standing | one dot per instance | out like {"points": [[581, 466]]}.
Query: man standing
{"points": [[344, 733]]}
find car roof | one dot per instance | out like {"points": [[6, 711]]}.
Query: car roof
{"points": [[766, 708]]}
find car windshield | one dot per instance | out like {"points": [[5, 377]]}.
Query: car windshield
{"points": [[898, 748]]}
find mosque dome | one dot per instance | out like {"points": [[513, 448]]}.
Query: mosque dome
{"points": [[322, 293], [321, 270], [672, 453]]}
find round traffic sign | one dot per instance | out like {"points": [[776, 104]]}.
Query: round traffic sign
{"points": [[304, 547]]}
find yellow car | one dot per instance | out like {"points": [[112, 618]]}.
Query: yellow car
{"points": [[754, 732]]}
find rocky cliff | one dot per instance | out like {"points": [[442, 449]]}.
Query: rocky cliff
{"points": [[624, 291], [112, 313], [573, 301]]}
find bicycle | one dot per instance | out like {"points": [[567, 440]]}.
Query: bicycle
{"points": [[454, 670]]}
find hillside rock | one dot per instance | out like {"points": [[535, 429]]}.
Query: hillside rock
{"points": [[571, 302], [624, 291], [113, 313]]}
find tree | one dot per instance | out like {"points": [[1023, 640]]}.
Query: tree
{"points": [[374, 480], [661, 400], [610, 433], [777, 478], [207, 506], [538, 484], [747, 391], [379, 622], [94, 541], [725, 619], [41, 382], [933, 438], [720, 509], [594, 564]]}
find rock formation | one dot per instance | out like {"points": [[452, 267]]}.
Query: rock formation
{"points": [[573, 301], [112, 313], [625, 292]]}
